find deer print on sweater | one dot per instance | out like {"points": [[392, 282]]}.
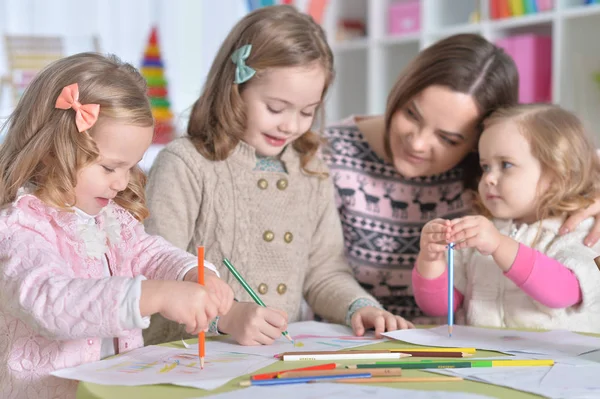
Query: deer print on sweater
{"points": [[346, 194], [372, 200], [453, 202], [427, 209], [398, 207]]}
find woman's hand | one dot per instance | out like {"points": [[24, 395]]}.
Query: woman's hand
{"points": [[573, 221]]}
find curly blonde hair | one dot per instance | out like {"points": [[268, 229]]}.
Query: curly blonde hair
{"points": [[281, 36], [566, 153], [43, 146]]}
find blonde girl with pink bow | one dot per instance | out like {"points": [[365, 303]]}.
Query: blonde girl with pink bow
{"points": [[79, 276]]}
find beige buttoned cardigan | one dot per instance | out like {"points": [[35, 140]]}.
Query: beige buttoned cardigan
{"points": [[280, 230]]}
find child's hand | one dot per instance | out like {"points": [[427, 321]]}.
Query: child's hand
{"points": [[180, 301], [474, 232], [219, 289], [381, 320], [433, 240], [251, 324]]}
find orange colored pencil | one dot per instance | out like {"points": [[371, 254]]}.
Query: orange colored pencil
{"points": [[201, 336]]}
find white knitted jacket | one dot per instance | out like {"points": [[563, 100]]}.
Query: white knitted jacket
{"points": [[491, 299]]}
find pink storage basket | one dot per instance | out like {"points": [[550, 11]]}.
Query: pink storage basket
{"points": [[404, 17], [533, 56]]}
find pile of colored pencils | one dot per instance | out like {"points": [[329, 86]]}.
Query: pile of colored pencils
{"points": [[333, 372], [386, 368]]}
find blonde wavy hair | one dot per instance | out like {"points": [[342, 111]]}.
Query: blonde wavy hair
{"points": [[43, 146], [281, 36], [566, 153]]}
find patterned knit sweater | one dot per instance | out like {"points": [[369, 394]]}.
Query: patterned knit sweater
{"points": [[280, 230], [383, 213]]}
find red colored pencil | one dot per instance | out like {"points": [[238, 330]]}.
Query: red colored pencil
{"points": [[269, 376], [201, 336]]}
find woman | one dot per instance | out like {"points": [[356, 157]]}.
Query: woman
{"points": [[395, 172]]}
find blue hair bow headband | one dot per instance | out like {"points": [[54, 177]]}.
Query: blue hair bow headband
{"points": [[242, 71]]}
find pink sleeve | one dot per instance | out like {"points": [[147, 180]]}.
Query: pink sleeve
{"points": [[37, 286], [544, 279], [155, 257], [431, 295]]}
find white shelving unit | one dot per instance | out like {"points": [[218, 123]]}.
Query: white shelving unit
{"points": [[367, 67]]}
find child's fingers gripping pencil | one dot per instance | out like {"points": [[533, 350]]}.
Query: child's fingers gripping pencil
{"points": [[201, 335], [450, 288], [249, 290]]}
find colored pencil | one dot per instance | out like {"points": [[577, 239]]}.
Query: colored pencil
{"points": [[450, 288], [343, 356], [335, 352], [399, 379], [268, 376], [412, 365], [201, 336], [433, 349], [437, 354], [448, 364], [381, 372], [249, 290], [285, 381]]}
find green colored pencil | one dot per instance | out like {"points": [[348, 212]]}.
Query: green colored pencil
{"points": [[413, 365], [434, 364], [249, 290]]}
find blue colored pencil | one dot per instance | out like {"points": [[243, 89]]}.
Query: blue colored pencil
{"points": [[450, 288], [302, 380]]}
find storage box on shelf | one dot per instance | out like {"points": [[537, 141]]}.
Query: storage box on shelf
{"points": [[372, 63], [404, 17], [533, 55]]}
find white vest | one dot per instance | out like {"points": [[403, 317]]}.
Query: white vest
{"points": [[491, 299]]}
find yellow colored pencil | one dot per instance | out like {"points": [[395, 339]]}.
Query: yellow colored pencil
{"points": [[522, 363]]}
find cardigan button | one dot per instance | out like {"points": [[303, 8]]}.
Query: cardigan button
{"points": [[288, 237], [281, 289], [90, 342], [268, 236], [282, 184], [262, 184], [263, 288]]}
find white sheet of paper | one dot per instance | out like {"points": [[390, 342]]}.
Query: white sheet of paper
{"points": [[312, 335], [164, 365], [556, 342], [563, 376], [340, 391], [530, 380]]}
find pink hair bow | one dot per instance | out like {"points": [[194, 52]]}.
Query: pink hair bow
{"points": [[85, 114]]}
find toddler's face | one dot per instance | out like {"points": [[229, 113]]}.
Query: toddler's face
{"points": [[281, 106], [512, 177], [121, 148]]}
